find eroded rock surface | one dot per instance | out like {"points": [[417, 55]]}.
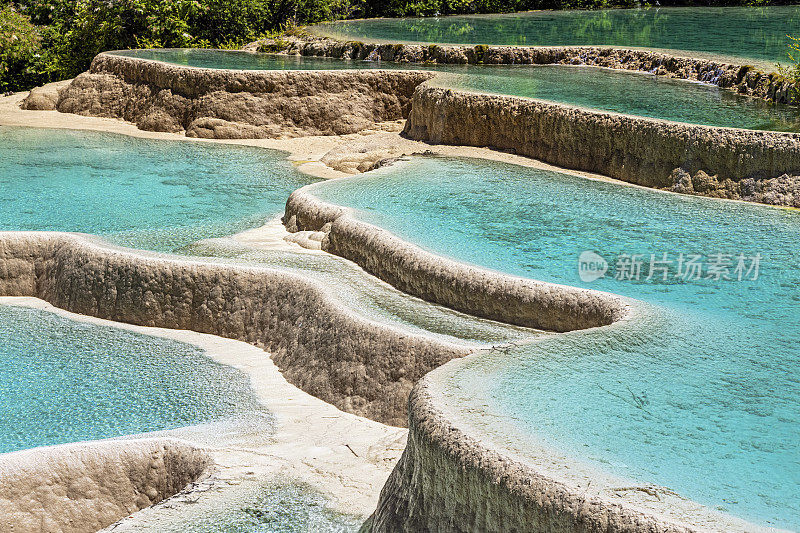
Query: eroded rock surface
{"points": [[782, 191], [320, 346], [469, 289], [637, 150], [744, 79], [84, 487], [230, 104], [44, 98]]}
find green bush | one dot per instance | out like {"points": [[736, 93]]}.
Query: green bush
{"points": [[72, 32], [20, 51]]}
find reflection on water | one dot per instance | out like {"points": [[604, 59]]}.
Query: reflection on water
{"points": [[744, 32]]}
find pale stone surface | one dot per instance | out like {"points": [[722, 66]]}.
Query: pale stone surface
{"points": [[84, 487], [452, 479], [330, 352], [236, 104], [44, 98], [346, 457]]}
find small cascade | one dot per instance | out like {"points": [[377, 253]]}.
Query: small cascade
{"points": [[711, 76]]}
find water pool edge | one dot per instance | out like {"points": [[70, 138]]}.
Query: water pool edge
{"points": [[471, 473], [653, 152], [741, 78]]}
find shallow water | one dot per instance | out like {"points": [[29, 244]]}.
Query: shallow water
{"points": [[368, 297], [747, 32], [66, 381], [626, 92], [182, 197], [157, 195], [705, 399], [249, 507]]}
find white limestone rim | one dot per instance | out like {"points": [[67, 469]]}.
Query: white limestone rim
{"points": [[545, 463], [346, 457], [460, 434], [618, 308]]}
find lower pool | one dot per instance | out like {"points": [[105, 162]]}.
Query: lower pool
{"points": [[66, 381], [703, 397], [152, 194]]}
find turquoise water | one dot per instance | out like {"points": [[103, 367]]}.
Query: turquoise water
{"points": [[158, 195], [65, 381], [609, 90], [705, 399], [754, 33], [237, 59]]}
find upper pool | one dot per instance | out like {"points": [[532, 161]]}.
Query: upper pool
{"points": [[750, 33], [633, 93], [65, 381], [158, 195], [701, 397]]}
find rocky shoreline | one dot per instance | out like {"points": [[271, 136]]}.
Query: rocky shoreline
{"points": [[230, 104], [760, 166], [743, 79]]}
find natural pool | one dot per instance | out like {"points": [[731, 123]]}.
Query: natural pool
{"points": [[248, 507], [66, 381], [751, 33], [187, 197], [702, 398], [158, 195], [609, 90]]}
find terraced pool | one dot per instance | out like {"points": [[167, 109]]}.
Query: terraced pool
{"points": [[749, 33], [156, 195], [65, 381], [702, 397], [631, 93]]}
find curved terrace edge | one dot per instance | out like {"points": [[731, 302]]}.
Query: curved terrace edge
{"points": [[87, 486]]}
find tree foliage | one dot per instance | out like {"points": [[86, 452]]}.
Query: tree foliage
{"points": [[20, 51]]}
